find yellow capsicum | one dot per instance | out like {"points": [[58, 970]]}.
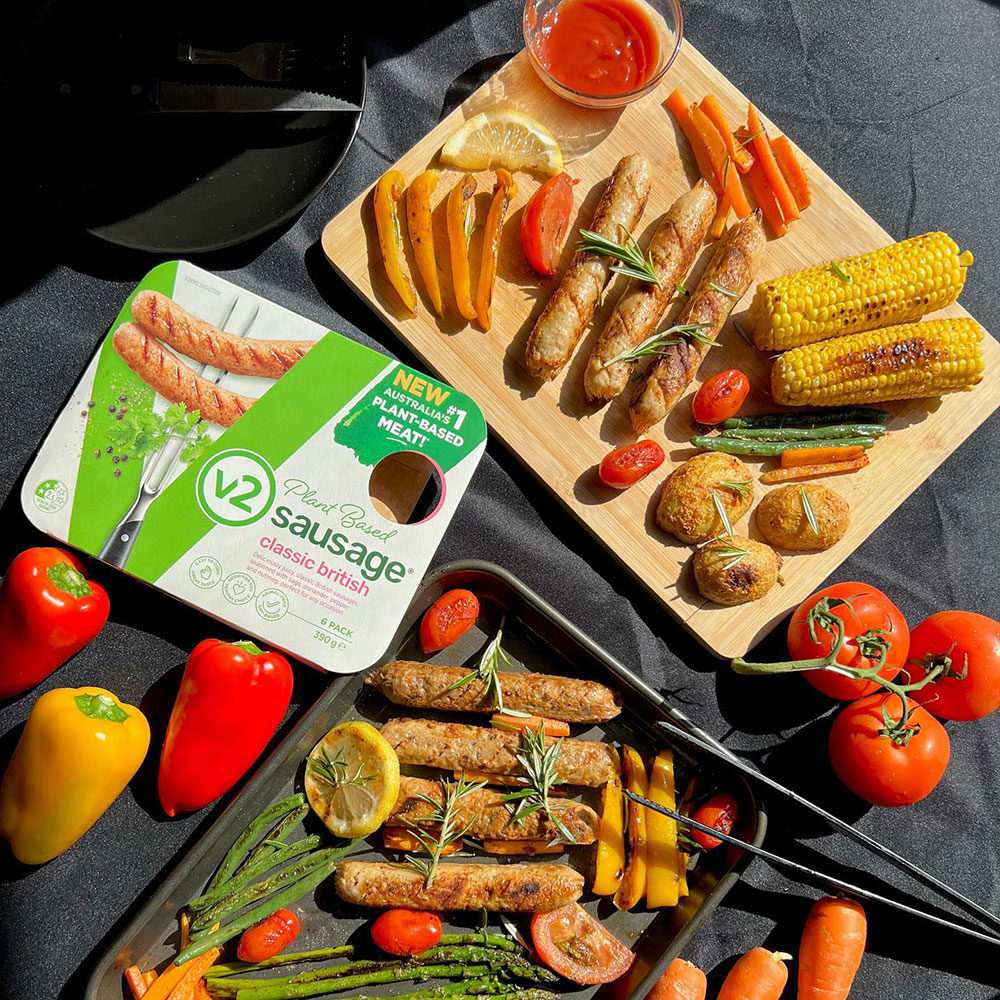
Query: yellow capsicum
{"points": [[610, 865], [418, 221], [633, 884], [388, 191], [79, 749], [663, 878]]}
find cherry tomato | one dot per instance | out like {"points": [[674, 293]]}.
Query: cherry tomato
{"points": [[720, 813], [545, 222], [406, 932], [571, 942], [972, 643], [447, 619], [874, 767], [625, 466], [269, 936], [869, 609], [720, 397]]}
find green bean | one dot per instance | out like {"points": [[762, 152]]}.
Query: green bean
{"points": [[275, 837], [285, 958], [810, 418], [746, 446], [807, 433], [291, 894], [246, 839]]}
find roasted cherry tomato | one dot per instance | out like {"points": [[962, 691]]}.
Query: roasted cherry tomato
{"points": [[868, 609], [625, 466], [447, 619], [971, 645], [878, 769], [406, 932], [571, 942], [720, 397], [720, 813], [545, 222], [265, 939]]}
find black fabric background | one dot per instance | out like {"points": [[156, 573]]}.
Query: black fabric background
{"points": [[900, 103]]}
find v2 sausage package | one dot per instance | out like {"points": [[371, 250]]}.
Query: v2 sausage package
{"points": [[278, 476]]}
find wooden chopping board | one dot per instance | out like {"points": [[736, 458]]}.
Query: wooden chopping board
{"points": [[556, 433]]}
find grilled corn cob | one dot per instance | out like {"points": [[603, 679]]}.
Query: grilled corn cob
{"points": [[896, 284], [899, 362]]}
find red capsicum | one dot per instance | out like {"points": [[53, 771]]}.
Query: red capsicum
{"points": [[231, 700], [49, 610]]}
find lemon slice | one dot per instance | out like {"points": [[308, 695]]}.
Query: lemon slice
{"points": [[509, 139], [352, 779]]}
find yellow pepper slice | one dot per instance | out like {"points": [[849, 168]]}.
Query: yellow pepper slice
{"points": [[418, 222], [388, 191], [665, 866], [610, 864], [459, 214], [634, 880], [503, 190]]}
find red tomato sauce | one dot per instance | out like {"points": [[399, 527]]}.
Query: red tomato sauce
{"points": [[599, 47]]}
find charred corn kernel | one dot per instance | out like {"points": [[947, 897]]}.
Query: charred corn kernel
{"points": [[896, 284], [900, 362]]}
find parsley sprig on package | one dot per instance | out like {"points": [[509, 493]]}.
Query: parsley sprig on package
{"points": [[141, 432]]}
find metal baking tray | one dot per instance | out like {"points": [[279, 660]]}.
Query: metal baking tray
{"points": [[538, 637]]}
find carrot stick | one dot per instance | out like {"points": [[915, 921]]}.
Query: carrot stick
{"points": [[136, 982], [808, 471], [728, 179], [196, 968], [721, 214], [490, 779], [201, 991], [185, 933], [681, 981], [165, 983], [820, 456], [553, 727], [739, 154], [521, 847], [833, 944], [764, 155], [791, 170], [679, 108], [759, 975], [397, 838], [766, 200], [149, 977]]}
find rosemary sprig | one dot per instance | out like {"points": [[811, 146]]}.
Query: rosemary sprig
{"points": [[445, 813], [725, 171], [681, 290], [840, 272], [633, 263], [740, 486], [723, 516], [810, 514], [747, 140], [335, 771], [657, 343], [733, 553], [724, 291], [488, 671], [540, 762]]}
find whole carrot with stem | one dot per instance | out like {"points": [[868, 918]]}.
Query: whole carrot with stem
{"points": [[833, 944], [681, 981], [759, 975]]}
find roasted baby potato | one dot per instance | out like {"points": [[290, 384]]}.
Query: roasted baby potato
{"points": [[783, 517], [686, 509], [735, 570]]}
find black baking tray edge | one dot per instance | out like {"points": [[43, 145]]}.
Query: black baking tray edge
{"points": [[534, 633]]}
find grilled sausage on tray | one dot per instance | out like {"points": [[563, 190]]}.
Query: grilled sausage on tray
{"points": [[672, 250], [485, 816], [517, 888], [428, 685], [729, 275], [572, 304], [455, 747]]}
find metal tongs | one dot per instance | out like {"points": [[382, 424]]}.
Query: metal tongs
{"points": [[706, 745]]}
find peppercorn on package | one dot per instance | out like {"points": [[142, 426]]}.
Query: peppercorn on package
{"points": [[282, 478]]}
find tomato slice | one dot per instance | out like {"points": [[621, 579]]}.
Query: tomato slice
{"points": [[625, 466], [447, 619], [720, 397], [720, 813], [571, 942], [545, 223]]}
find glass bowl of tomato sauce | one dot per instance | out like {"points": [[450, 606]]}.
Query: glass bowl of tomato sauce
{"points": [[602, 53]]}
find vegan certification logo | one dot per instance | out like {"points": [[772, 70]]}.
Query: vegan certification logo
{"points": [[238, 588], [50, 495], [235, 487], [272, 604], [205, 572]]}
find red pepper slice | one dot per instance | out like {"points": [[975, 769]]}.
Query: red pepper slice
{"points": [[49, 611], [231, 700]]}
